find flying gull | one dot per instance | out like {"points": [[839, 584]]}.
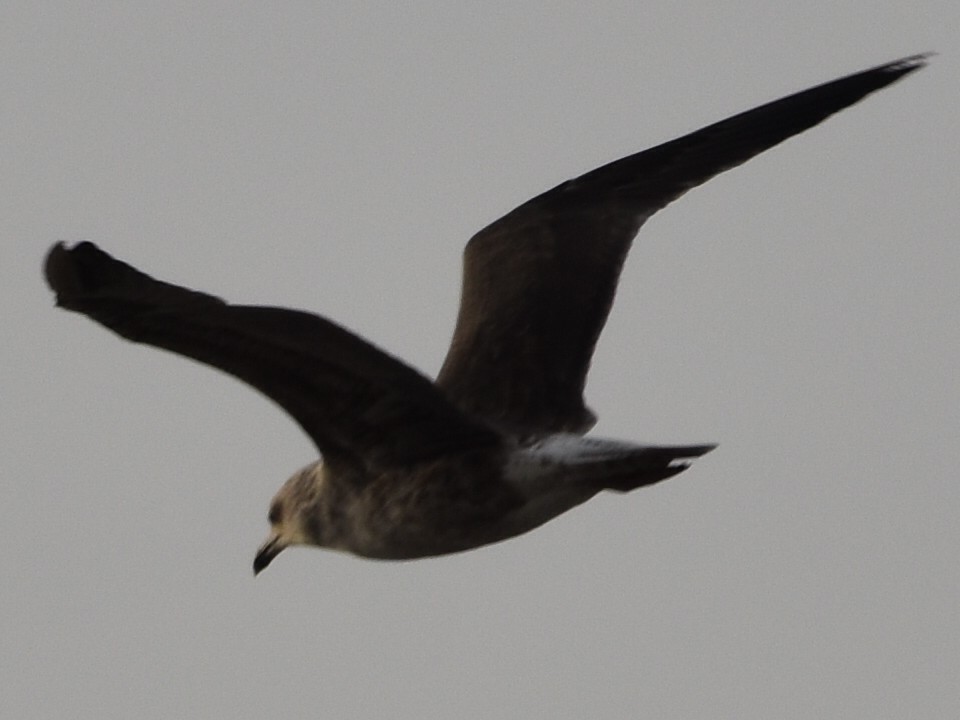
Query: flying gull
{"points": [[496, 445]]}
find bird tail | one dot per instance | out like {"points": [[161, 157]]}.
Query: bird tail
{"points": [[611, 464], [648, 465]]}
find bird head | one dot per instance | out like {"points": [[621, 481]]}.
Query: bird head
{"points": [[291, 512]]}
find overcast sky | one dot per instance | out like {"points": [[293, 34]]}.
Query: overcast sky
{"points": [[800, 310]]}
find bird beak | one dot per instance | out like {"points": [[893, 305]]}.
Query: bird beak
{"points": [[267, 552]]}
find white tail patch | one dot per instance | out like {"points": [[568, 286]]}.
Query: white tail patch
{"points": [[599, 463], [570, 449]]}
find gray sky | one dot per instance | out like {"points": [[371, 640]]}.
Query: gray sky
{"points": [[801, 311]]}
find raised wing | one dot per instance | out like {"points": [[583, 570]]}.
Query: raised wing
{"points": [[538, 283], [358, 404]]}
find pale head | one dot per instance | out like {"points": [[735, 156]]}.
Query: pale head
{"points": [[290, 512]]}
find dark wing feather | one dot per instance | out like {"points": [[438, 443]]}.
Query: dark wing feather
{"points": [[358, 404], [538, 284]]}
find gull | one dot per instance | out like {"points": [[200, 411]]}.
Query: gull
{"points": [[497, 445]]}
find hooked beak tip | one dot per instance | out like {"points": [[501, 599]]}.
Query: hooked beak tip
{"points": [[266, 554]]}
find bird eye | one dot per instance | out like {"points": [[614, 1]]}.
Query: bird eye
{"points": [[274, 514]]}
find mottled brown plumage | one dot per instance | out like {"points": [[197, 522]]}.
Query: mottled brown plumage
{"points": [[494, 448]]}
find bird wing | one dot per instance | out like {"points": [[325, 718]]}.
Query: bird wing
{"points": [[358, 404], [539, 282]]}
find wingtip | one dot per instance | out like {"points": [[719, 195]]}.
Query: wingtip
{"points": [[907, 64], [66, 269], [58, 271]]}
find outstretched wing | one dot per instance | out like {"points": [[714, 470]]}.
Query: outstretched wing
{"points": [[538, 283], [358, 404]]}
